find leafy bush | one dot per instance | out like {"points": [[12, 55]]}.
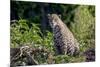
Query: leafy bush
{"points": [[22, 34], [83, 27]]}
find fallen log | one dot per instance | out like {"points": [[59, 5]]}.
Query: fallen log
{"points": [[25, 55]]}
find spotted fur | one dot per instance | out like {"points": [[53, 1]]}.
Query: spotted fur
{"points": [[64, 41]]}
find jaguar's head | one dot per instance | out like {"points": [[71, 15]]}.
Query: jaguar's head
{"points": [[53, 18]]}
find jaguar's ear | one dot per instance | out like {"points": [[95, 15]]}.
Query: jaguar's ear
{"points": [[59, 16], [48, 15]]}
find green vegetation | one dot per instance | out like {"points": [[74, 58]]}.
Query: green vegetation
{"points": [[27, 30], [83, 27]]}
